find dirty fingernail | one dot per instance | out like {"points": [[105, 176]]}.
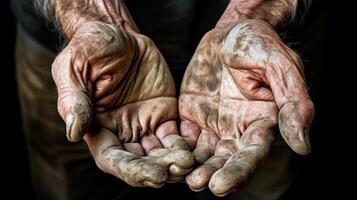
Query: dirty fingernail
{"points": [[69, 124]]}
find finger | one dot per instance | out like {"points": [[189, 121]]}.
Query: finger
{"points": [[239, 168], [292, 97], [74, 104], [153, 113], [283, 73], [199, 178], [168, 135], [150, 142], [175, 161], [190, 132], [205, 112], [205, 147], [134, 148], [111, 158], [179, 158]]}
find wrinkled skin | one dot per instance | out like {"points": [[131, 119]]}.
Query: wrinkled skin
{"points": [[116, 90], [238, 86]]}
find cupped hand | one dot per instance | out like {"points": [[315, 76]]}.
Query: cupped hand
{"points": [[238, 86], [115, 90]]}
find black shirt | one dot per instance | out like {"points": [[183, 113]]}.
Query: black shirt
{"points": [[176, 26]]}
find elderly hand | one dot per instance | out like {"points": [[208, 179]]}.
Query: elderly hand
{"points": [[116, 90], [238, 86]]}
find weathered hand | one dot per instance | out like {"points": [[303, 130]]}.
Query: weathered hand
{"points": [[116, 90], [236, 89]]}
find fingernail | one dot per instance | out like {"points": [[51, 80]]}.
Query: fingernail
{"points": [[175, 169], [307, 139], [301, 143], [69, 124], [153, 185]]}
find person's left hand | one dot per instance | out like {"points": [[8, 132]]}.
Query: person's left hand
{"points": [[238, 86]]}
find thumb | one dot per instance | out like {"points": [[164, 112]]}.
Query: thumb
{"points": [[292, 97], [74, 104]]}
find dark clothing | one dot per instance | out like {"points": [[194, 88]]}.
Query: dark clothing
{"points": [[63, 170], [176, 26], [35, 25]]}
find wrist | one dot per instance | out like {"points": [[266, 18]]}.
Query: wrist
{"points": [[274, 12], [72, 15]]}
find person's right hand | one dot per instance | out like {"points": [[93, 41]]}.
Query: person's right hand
{"points": [[115, 90]]}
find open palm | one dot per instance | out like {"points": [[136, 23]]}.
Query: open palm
{"points": [[238, 86], [116, 90]]}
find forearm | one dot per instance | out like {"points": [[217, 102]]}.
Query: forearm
{"points": [[275, 12], [73, 14]]}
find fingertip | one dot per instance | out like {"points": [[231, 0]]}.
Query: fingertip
{"points": [[153, 185], [218, 184], [185, 159], [301, 144], [76, 128], [79, 118], [295, 119], [178, 162], [177, 170], [140, 172], [198, 180], [154, 174], [69, 123], [228, 179]]}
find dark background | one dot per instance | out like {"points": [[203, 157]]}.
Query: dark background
{"points": [[318, 172], [14, 164]]}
